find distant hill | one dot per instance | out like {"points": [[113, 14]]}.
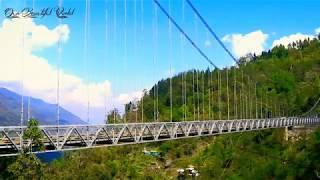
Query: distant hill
{"points": [[10, 107]]}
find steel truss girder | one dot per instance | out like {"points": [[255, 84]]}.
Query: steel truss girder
{"points": [[71, 137]]}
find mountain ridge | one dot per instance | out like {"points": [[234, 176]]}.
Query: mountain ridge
{"points": [[45, 113]]}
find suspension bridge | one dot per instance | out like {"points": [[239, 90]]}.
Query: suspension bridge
{"points": [[73, 137]]}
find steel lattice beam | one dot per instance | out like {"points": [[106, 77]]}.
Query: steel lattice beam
{"points": [[72, 137]]}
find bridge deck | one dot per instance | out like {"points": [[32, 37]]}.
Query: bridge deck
{"points": [[72, 137]]}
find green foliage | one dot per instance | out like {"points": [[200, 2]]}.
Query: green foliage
{"points": [[284, 82], [33, 133], [286, 79], [114, 116], [26, 166]]}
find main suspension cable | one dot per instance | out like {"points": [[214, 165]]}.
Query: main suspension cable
{"points": [[185, 35], [211, 31]]}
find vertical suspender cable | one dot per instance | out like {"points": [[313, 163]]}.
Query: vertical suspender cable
{"points": [[170, 60], [256, 98], [212, 92], [209, 94], [219, 94], [29, 98], [86, 58], [198, 96], [155, 46], [246, 99], [235, 93], [135, 52], [240, 103], [142, 40], [228, 101], [194, 95], [267, 106], [270, 106], [114, 41], [125, 47], [240, 96], [22, 83], [156, 53], [105, 61], [87, 66], [197, 71], [209, 87], [244, 114], [275, 108], [203, 91], [87, 11], [183, 75], [58, 79], [135, 47], [249, 98], [261, 105]]}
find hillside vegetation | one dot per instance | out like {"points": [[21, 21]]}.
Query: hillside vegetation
{"points": [[282, 81]]}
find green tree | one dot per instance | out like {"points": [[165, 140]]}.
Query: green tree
{"points": [[26, 166], [114, 116], [34, 135]]}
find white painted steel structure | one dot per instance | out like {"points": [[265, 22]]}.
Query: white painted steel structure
{"points": [[72, 137]]}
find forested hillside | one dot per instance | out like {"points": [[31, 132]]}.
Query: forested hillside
{"points": [[282, 81]]}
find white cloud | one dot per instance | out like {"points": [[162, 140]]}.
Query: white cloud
{"points": [[126, 97], [317, 30], [286, 40], [40, 77], [243, 44]]}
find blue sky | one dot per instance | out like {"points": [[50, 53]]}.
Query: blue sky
{"points": [[130, 66], [278, 18]]}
